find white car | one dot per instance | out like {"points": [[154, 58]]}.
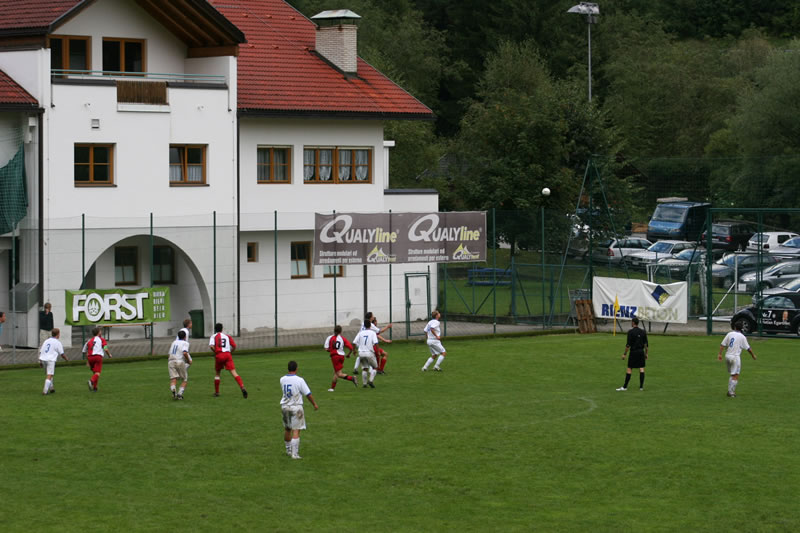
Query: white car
{"points": [[615, 251], [658, 251], [769, 240]]}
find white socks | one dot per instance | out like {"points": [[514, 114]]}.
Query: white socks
{"points": [[372, 373], [295, 447], [428, 363], [364, 376], [732, 385], [288, 445], [438, 361], [48, 384], [180, 391]]}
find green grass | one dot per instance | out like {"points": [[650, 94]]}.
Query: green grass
{"points": [[517, 434]]}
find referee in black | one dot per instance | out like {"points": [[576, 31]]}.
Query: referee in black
{"points": [[637, 344]]}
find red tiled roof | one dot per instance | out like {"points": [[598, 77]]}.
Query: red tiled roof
{"points": [[279, 73], [33, 14], [11, 93]]}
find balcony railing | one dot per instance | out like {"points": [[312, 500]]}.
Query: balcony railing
{"points": [[93, 75]]}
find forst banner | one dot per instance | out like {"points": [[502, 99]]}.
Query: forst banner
{"points": [[94, 307], [653, 302], [386, 238]]}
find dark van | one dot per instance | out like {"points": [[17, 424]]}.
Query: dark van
{"points": [[678, 221]]}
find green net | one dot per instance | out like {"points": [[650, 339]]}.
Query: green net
{"points": [[13, 192]]}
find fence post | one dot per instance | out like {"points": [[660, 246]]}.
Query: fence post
{"points": [[494, 271], [275, 270], [152, 267], [214, 219]]}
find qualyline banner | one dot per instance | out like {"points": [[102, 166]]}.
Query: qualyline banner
{"points": [[90, 307], [376, 238], [649, 301]]}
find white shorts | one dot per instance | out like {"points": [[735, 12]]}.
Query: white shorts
{"points": [[734, 365], [177, 369], [49, 367], [435, 346], [293, 417], [367, 360]]}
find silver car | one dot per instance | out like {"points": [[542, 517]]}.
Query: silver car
{"points": [[678, 266], [790, 284], [770, 276], [769, 240], [660, 250], [790, 248]]}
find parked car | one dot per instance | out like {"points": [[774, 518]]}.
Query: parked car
{"points": [[677, 220], [730, 235], [790, 248], [770, 276], [615, 251], [777, 313], [769, 240], [787, 285], [678, 266], [725, 269], [659, 250]]}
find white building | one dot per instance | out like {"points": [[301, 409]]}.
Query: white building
{"points": [[189, 128]]}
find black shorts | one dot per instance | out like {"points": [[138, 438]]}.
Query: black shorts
{"points": [[636, 360]]}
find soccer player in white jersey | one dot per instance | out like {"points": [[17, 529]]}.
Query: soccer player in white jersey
{"points": [[366, 341], [734, 342], [293, 388], [187, 326], [380, 353], [48, 355], [178, 365], [434, 332]]}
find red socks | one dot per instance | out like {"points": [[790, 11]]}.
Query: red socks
{"points": [[216, 386], [382, 364], [239, 381], [95, 379], [333, 384]]}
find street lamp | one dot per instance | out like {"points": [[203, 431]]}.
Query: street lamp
{"points": [[592, 11], [545, 194]]}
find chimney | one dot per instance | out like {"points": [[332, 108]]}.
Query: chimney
{"points": [[337, 37]]}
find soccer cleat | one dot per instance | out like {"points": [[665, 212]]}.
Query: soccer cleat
{"points": [[179, 397], [244, 393], [330, 390], [355, 382], [364, 386], [91, 387], [731, 395], [379, 371], [52, 391], [371, 384], [436, 368], [622, 389], [641, 388], [216, 395], [424, 369], [295, 456]]}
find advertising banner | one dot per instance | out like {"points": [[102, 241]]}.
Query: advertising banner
{"points": [[653, 302], [376, 238], [95, 307]]}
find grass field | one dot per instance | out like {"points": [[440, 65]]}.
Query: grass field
{"points": [[517, 434]]}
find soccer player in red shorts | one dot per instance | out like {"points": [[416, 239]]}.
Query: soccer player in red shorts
{"points": [[95, 348], [223, 346], [335, 344], [380, 352]]}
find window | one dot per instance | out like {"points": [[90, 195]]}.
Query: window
{"points": [[187, 164], [126, 261], [123, 55], [252, 252], [70, 53], [163, 265], [301, 260], [330, 270], [337, 165], [273, 165], [94, 164]]}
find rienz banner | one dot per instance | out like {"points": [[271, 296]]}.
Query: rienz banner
{"points": [[653, 302], [381, 238], [94, 307]]}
